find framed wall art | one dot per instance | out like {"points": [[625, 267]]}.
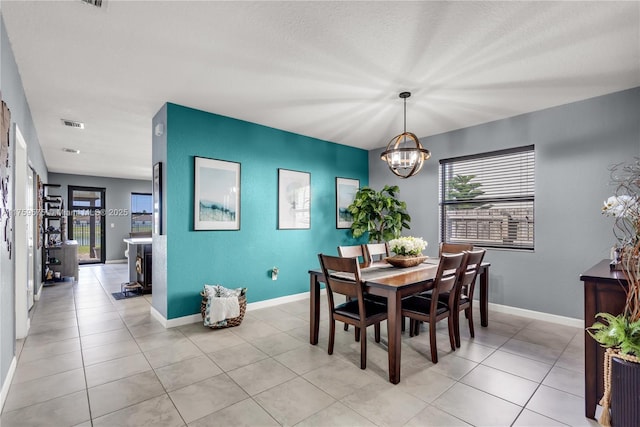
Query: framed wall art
{"points": [[346, 190], [216, 195], [294, 200], [157, 198]]}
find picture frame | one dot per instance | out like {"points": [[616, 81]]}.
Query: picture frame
{"points": [[216, 194], [294, 200], [157, 198], [346, 190]]}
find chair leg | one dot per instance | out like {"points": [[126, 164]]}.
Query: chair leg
{"points": [[402, 324], [416, 328], [363, 348], [411, 327], [469, 315], [357, 334], [376, 328], [346, 325], [332, 334], [456, 323], [452, 331], [432, 342]]}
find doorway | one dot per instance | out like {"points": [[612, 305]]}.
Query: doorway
{"points": [[87, 222], [23, 220]]}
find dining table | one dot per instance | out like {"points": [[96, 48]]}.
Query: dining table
{"points": [[393, 283]]}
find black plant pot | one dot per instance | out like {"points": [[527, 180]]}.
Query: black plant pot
{"points": [[625, 393]]}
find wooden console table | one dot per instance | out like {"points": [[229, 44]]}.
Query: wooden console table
{"points": [[604, 291]]}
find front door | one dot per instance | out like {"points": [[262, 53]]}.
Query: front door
{"points": [[87, 222]]}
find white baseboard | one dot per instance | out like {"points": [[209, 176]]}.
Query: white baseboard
{"points": [[197, 318], [277, 301], [38, 292], [7, 382], [116, 261], [531, 314], [158, 316], [537, 315]]}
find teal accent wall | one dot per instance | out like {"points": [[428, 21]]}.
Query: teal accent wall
{"points": [[244, 258]]}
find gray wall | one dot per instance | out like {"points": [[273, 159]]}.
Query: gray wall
{"points": [[118, 196], [13, 95], [159, 246], [574, 145]]}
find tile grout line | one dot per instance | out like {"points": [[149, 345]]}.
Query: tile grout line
{"points": [[84, 367], [166, 393]]}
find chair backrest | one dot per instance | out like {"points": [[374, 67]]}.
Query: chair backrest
{"points": [[375, 252], [454, 248], [447, 274], [349, 285], [469, 272], [355, 251]]}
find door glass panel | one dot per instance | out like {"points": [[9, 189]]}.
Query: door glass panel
{"points": [[87, 223]]}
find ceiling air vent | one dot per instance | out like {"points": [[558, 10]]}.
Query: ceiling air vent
{"points": [[73, 124], [96, 3]]}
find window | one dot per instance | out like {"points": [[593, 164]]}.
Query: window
{"points": [[141, 212], [488, 199]]}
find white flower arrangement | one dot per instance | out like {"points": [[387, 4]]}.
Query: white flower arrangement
{"points": [[407, 245], [621, 206], [626, 211]]}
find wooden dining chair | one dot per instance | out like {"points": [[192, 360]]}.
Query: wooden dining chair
{"points": [[342, 276], [353, 251], [371, 253], [376, 252], [454, 248], [464, 291], [422, 309]]}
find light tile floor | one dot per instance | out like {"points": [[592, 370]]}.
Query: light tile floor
{"points": [[91, 360]]}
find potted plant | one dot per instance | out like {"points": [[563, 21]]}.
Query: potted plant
{"points": [[379, 213], [620, 333]]}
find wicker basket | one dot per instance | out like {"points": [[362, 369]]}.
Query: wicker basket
{"points": [[236, 321], [403, 261]]}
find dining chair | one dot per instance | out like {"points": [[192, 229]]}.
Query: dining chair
{"points": [[371, 252], [376, 252], [342, 276], [464, 290], [421, 309], [353, 251], [454, 248]]}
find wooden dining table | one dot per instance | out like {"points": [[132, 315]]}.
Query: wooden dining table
{"points": [[396, 285]]}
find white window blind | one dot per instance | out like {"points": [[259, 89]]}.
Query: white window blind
{"points": [[488, 199]]}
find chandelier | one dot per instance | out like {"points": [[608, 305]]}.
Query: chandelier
{"points": [[405, 155]]}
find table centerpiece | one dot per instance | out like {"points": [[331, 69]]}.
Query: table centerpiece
{"points": [[407, 250]]}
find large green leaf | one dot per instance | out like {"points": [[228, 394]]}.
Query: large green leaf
{"points": [[616, 332], [378, 212]]}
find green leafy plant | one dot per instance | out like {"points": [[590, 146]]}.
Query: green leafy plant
{"points": [[379, 213], [617, 332]]}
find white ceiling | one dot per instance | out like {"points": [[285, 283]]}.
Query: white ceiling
{"points": [[330, 70]]}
